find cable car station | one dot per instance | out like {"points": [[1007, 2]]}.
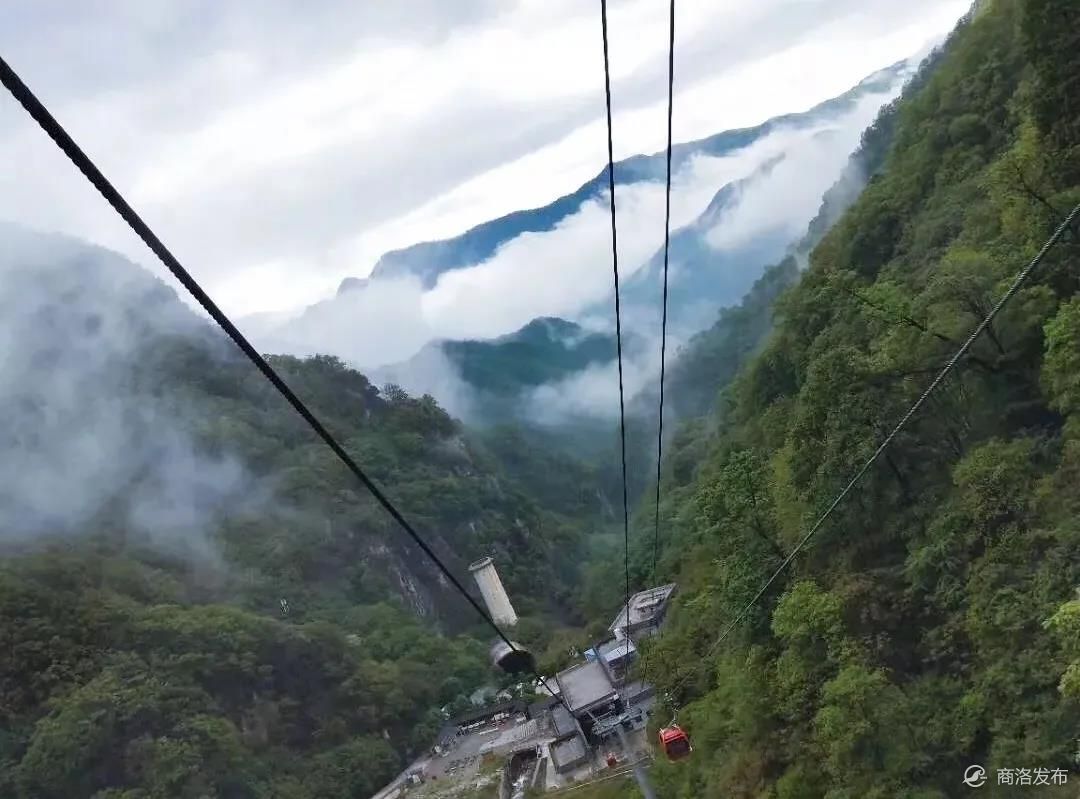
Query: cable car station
{"points": [[594, 722]]}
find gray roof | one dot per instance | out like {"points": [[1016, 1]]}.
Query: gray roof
{"points": [[585, 685], [538, 708], [645, 606], [615, 649], [569, 751], [636, 691], [563, 721]]}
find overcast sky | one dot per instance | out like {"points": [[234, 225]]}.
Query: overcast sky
{"points": [[278, 147]]}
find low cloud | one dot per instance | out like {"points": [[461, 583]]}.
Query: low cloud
{"points": [[786, 197], [370, 325], [431, 372], [91, 427], [278, 148], [777, 202], [566, 272], [594, 391]]}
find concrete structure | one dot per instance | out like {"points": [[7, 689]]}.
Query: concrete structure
{"points": [[569, 754], [563, 725], [617, 656], [606, 714], [646, 613], [586, 686], [590, 693], [491, 589], [638, 693], [513, 660], [487, 717]]}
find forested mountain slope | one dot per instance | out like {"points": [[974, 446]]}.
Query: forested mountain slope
{"points": [[196, 599], [932, 622], [710, 360]]}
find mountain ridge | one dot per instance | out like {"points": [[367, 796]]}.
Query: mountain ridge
{"points": [[481, 241], [703, 278]]}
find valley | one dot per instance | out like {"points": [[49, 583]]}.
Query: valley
{"points": [[198, 600]]}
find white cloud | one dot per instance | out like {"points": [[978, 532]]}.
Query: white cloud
{"points": [[279, 150], [89, 444], [557, 273], [566, 272], [594, 391], [789, 195], [379, 324]]}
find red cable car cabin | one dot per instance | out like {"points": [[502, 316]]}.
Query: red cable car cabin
{"points": [[675, 742]]}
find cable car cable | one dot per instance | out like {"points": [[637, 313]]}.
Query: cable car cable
{"points": [[639, 774], [618, 314], [55, 131], [664, 308], [664, 305], [1017, 283]]}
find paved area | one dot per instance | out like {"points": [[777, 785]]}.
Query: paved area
{"points": [[463, 759], [463, 764]]}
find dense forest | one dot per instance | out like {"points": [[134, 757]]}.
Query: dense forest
{"points": [[197, 599], [265, 631], [933, 622]]}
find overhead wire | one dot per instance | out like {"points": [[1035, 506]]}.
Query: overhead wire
{"points": [[618, 314], [664, 308], [664, 301], [1014, 287], [55, 131]]}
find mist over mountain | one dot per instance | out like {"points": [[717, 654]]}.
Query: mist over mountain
{"points": [[430, 260], [198, 600], [86, 428], [740, 201], [131, 417], [166, 519], [932, 621]]}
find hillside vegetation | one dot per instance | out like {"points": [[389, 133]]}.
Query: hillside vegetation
{"points": [[933, 622], [196, 599]]}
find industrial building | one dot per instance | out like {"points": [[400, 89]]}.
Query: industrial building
{"points": [[598, 699], [569, 749], [569, 754], [589, 693], [617, 656], [647, 610], [561, 739]]}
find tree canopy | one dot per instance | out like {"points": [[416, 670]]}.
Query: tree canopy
{"points": [[931, 623]]}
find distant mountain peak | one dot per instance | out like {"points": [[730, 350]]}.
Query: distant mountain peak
{"points": [[351, 284], [428, 260]]}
